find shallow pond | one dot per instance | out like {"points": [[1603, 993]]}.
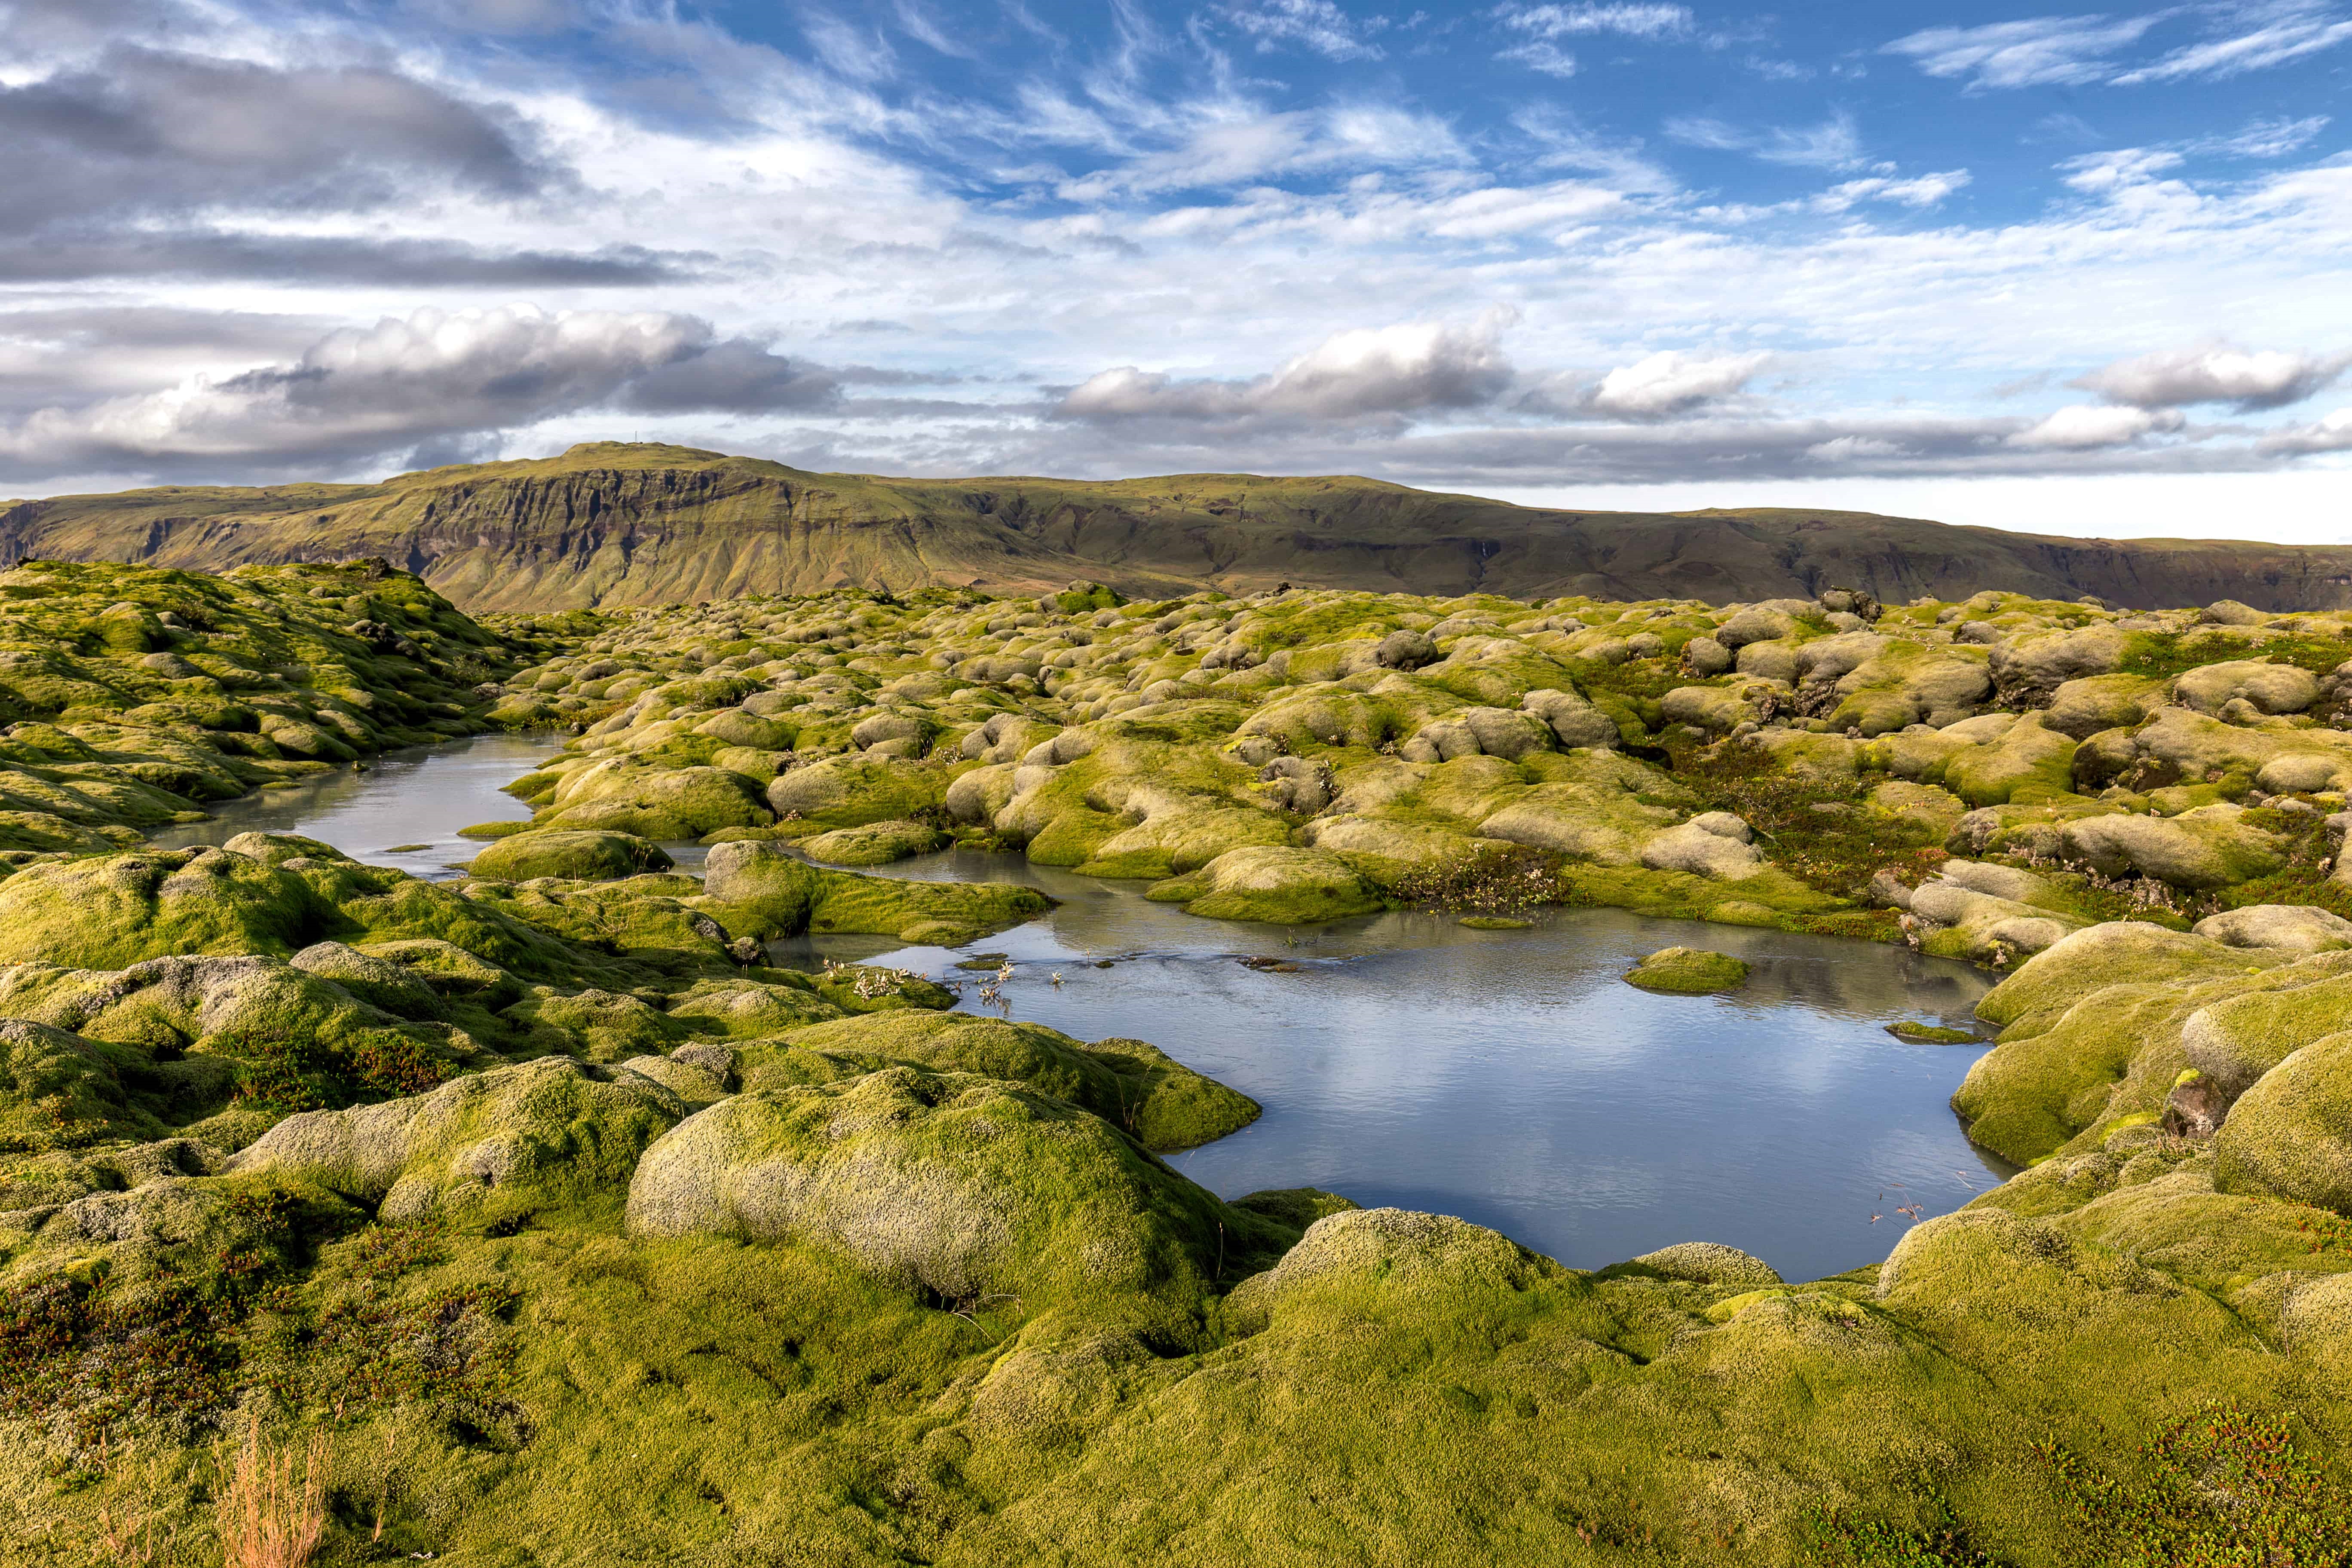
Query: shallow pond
{"points": [[1511, 1077]]}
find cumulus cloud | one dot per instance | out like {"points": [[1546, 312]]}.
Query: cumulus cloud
{"points": [[432, 376], [2214, 373], [2038, 51], [34, 28], [1673, 383], [2086, 427], [1350, 376]]}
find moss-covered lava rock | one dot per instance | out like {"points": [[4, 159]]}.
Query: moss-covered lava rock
{"points": [[1688, 970]]}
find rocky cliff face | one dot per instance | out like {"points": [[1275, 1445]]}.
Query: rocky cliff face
{"points": [[619, 523]]}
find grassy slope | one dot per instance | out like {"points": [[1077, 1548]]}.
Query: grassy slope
{"points": [[613, 522]]}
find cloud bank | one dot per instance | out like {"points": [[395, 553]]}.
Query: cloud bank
{"points": [[246, 239]]}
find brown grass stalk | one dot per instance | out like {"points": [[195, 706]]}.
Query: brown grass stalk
{"points": [[271, 1513]]}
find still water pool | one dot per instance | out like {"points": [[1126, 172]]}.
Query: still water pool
{"points": [[1511, 1077]]}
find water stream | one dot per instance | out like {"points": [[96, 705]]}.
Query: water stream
{"points": [[1511, 1077]]}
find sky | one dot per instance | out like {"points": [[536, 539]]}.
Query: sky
{"points": [[2072, 270]]}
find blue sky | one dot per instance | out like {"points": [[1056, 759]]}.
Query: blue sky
{"points": [[2056, 269]]}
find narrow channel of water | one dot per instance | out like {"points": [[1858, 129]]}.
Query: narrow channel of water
{"points": [[403, 809], [1511, 1077]]}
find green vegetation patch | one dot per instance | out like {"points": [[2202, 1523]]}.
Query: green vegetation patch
{"points": [[1689, 972]]}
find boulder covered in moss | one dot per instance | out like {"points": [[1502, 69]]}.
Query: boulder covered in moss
{"points": [[571, 854], [669, 805], [2304, 927], [59, 1091], [2290, 1134], [765, 890], [962, 1187], [2317, 1325], [851, 791], [775, 888], [874, 844], [482, 1146], [1162, 1104], [1364, 1263], [1280, 885], [1689, 972], [1709, 1263]]}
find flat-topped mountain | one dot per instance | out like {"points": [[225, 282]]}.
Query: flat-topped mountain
{"points": [[623, 523]]}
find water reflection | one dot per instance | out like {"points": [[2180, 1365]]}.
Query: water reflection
{"points": [[1508, 1077], [1513, 1077], [404, 810]]}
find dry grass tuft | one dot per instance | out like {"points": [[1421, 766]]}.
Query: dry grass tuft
{"points": [[271, 1513]]}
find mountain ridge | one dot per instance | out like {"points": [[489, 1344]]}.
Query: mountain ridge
{"points": [[640, 524]]}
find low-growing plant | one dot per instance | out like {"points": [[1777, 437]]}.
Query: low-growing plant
{"points": [[2224, 1487], [1500, 881]]}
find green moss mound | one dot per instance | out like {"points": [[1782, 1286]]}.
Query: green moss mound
{"points": [[1689, 972], [1132, 1085], [570, 855], [893, 1171]]}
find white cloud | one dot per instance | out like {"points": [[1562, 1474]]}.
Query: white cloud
{"points": [[1922, 191], [1567, 144], [2271, 34], [1648, 22], [2264, 137], [1317, 25], [434, 374], [1541, 55], [2332, 432], [1832, 144], [2214, 373], [1245, 148], [1851, 448], [1674, 382], [2038, 51], [1349, 375], [2104, 173], [861, 54], [2085, 427]]}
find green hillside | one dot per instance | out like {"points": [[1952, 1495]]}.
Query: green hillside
{"points": [[617, 524]]}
